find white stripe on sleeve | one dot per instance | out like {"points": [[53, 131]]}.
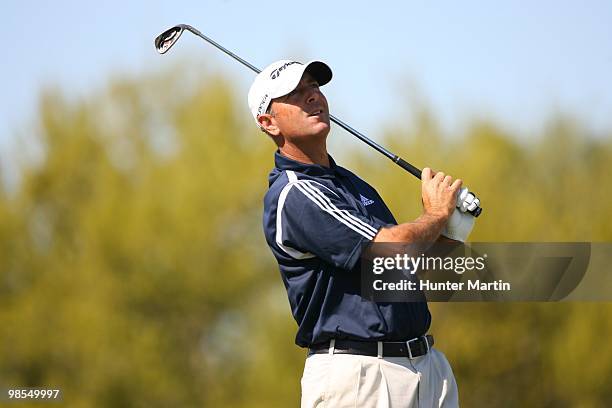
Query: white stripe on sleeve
{"points": [[294, 253], [347, 215], [334, 211]]}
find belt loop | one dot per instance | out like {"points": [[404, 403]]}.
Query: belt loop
{"points": [[332, 346], [380, 349]]}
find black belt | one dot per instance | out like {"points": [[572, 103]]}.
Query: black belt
{"points": [[412, 348]]}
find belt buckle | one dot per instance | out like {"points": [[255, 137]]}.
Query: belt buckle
{"points": [[416, 339]]}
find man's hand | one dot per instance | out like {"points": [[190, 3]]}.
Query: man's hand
{"points": [[439, 193]]}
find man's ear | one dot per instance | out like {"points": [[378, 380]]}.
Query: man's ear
{"points": [[268, 124]]}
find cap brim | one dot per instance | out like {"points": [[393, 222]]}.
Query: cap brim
{"points": [[320, 71]]}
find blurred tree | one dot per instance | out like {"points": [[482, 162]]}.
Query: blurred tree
{"points": [[134, 273]]}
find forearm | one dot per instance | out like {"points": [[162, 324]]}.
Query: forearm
{"points": [[425, 228], [415, 237]]}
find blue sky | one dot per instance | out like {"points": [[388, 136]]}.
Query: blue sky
{"points": [[516, 62]]}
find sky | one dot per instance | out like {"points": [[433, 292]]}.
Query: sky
{"points": [[515, 62]]}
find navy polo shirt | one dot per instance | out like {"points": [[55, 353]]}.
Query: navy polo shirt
{"points": [[315, 221]]}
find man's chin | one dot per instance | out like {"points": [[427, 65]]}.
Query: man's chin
{"points": [[322, 128], [322, 119]]}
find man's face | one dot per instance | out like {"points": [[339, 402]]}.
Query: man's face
{"points": [[303, 113]]}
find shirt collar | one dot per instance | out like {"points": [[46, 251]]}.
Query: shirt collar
{"points": [[285, 163]]}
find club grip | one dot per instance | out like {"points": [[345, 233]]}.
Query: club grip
{"points": [[407, 166]]}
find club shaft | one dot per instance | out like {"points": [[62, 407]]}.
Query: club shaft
{"points": [[393, 157], [222, 48]]}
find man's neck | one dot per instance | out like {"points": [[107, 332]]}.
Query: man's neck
{"points": [[310, 155]]}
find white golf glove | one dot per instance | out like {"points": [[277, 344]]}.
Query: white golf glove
{"points": [[466, 201], [461, 223]]}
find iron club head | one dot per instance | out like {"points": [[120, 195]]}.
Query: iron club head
{"points": [[168, 38]]}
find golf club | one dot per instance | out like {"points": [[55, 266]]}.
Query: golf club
{"points": [[168, 38]]}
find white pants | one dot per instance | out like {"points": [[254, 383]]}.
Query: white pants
{"points": [[347, 380]]}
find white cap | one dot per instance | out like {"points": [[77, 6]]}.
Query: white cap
{"points": [[280, 78]]}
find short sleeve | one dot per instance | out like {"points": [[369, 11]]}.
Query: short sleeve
{"points": [[313, 220]]}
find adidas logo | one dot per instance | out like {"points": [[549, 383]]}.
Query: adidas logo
{"points": [[365, 201]]}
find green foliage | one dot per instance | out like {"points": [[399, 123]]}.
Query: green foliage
{"points": [[134, 273]]}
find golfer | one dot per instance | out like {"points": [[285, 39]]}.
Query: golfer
{"points": [[317, 216]]}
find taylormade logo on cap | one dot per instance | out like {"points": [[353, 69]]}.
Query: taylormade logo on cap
{"points": [[279, 79], [275, 73], [264, 102]]}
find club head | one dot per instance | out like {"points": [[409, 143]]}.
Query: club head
{"points": [[168, 38]]}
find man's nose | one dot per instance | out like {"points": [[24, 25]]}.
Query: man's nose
{"points": [[314, 96]]}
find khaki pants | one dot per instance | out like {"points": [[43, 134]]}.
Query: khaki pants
{"points": [[347, 380]]}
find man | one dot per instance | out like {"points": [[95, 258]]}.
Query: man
{"points": [[317, 216]]}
